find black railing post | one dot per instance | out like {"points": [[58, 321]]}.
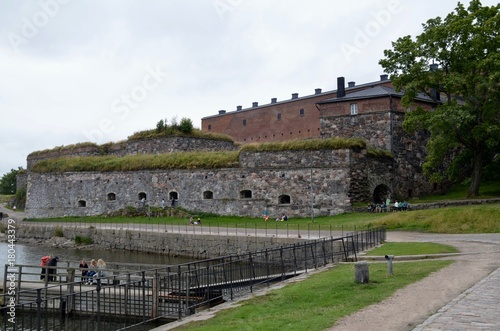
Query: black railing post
{"points": [[179, 280], [282, 264], [252, 271], [354, 249], [314, 257], [305, 256], [98, 293], [230, 278], [324, 251], [38, 309], [268, 271], [295, 267], [143, 281]]}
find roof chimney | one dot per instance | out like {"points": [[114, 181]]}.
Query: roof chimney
{"points": [[317, 91], [222, 112], [239, 107], [295, 95], [351, 84], [384, 77], [255, 104], [435, 95], [340, 87], [274, 100]]}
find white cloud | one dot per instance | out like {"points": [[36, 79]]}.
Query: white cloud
{"points": [[65, 75]]}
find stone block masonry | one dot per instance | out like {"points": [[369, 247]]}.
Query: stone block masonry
{"points": [[173, 244], [277, 182]]}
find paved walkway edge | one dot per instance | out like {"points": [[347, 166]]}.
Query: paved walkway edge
{"points": [[454, 302]]}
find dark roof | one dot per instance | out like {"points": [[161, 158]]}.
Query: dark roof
{"points": [[367, 85], [375, 92]]}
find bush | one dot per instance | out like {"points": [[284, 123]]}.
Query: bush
{"points": [[186, 125], [160, 126], [58, 232], [83, 240]]}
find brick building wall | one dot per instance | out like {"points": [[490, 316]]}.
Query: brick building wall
{"points": [[296, 118]]}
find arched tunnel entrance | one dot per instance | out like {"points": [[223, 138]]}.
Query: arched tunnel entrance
{"points": [[380, 193]]}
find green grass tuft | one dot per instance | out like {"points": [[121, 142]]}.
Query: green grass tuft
{"points": [[82, 240], [308, 144], [403, 248], [58, 232]]}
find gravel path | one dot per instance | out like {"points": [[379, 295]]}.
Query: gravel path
{"points": [[412, 305]]}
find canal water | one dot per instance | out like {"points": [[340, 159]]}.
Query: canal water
{"points": [[31, 254]]}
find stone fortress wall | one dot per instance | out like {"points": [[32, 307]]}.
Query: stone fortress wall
{"points": [[199, 246], [133, 147], [277, 182]]}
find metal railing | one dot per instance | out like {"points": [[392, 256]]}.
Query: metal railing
{"points": [[138, 300]]}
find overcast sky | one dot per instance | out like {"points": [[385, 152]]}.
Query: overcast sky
{"points": [[77, 70]]}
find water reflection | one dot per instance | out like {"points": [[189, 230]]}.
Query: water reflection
{"points": [[31, 254]]}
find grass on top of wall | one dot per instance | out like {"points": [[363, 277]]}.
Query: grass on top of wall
{"points": [[180, 160], [195, 133], [147, 134], [308, 144], [64, 148], [316, 144]]}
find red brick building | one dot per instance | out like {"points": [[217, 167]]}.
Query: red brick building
{"points": [[372, 111], [296, 118]]}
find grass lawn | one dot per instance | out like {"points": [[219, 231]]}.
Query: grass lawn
{"points": [[414, 248], [464, 219], [317, 303]]}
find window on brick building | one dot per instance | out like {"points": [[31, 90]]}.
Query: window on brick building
{"points": [[278, 116], [354, 109], [208, 195], [301, 112], [246, 194], [284, 199], [209, 127], [82, 203], [111, 197], [244, 122]]}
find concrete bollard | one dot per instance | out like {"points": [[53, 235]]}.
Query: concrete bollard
{"points": [[361, 272], [389, 259]]}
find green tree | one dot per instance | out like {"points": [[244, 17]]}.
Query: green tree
{"points": [[160, 126], [186, 125], [8, 182], [457, 58]]}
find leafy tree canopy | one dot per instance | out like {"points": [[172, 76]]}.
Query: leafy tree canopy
{"points": [[455, 61], [8, 182]]}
